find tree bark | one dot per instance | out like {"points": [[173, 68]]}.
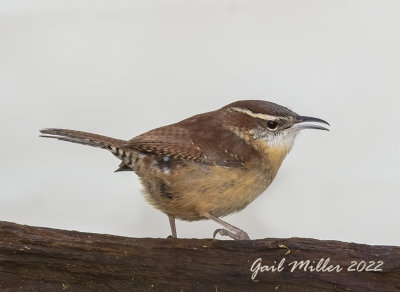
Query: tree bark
{"points": [[44, 259]]}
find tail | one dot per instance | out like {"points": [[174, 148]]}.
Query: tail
{"points": [[114, 145], [84, 138]]}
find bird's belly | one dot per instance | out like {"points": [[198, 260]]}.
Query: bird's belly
{"points": [[191, 191]]}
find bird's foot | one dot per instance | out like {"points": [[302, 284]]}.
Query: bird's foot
{"points": [[239, 235]]}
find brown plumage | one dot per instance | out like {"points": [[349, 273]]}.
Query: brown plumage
{"points": [[206, 166]]}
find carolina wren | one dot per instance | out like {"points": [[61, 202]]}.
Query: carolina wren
{"points": [[209, 165]]}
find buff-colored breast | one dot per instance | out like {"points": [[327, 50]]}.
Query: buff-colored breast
{"points": [[190, 191]]}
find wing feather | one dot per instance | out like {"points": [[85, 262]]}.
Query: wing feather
{"points": [[193, 139]]}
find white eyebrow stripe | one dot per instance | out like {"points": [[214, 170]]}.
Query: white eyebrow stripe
{"points": [[256, 115]]}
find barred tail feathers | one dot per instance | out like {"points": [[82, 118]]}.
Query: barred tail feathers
{"points": [[115, 146], [84, 138]]}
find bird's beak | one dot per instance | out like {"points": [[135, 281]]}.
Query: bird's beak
{"points": [[304, 122]]}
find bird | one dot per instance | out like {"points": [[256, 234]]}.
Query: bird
{"points": [[209, 165]]}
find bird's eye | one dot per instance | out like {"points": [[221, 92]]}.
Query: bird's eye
{"points": [[272, 125]]}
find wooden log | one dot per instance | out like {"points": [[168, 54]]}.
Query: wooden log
{"points": [[44, 259]]}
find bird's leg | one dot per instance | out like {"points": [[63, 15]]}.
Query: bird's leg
{"points": [[173, 227], [231, 231]]}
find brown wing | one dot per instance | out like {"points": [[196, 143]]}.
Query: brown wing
{"points": [[201, 138]]}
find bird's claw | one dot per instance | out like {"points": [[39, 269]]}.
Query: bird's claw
{"points": [[240, 235]]}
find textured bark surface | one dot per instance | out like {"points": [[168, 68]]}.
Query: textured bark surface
{"points": [[43, 259]]}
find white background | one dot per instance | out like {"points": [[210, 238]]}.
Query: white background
{"points": [[120, 68]]}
